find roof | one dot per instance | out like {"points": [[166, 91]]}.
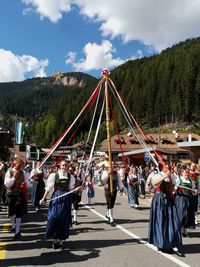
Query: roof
{"points": [[189, 144], [47, 151], [137, 151], [82, 144], [160, 140]]}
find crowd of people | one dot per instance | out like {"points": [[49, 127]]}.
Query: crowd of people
{"points": [[174, 192]]}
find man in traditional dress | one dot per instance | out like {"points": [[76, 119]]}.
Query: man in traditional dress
{"points": [[16, 182], [38, 185], [76, 196], [111, 196]]}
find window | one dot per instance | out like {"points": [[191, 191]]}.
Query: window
{"points": [[122, 141]]}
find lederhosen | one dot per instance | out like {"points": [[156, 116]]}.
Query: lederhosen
{"points": [[111, 197], [16, 196], [76, 196], [40, 189]]}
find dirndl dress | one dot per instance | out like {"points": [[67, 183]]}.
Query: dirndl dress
{"points": [[164, 225], [90, 190], [185, 206], [59, 214], [133, 192]]}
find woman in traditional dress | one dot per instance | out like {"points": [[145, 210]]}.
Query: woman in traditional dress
{"points": [[59, 213], [164, 225], [184, 201], [194, 176], [90, 189], [133, 187]]}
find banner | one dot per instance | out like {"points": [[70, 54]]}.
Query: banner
{"points": [[19, 133]]}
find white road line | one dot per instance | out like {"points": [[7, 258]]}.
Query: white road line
{"points": [[140, 240]]}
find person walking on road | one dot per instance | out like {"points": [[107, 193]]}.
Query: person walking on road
{"points": [[164, 225], [184, 201], [111, 196], [59, 213], [133, 187], [38, 186], [76, 196], [16, 182]]}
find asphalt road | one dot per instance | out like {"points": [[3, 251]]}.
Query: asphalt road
{"points": [[93, 242]]}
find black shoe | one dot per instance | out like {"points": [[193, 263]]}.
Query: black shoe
{"points": [[17, 236], [192, 227], [12, 230], [112, 223], [55, 245], [107, 217], [167, 251], [179, 253]]}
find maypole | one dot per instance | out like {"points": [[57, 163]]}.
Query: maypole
{"points": [[105, 74]]}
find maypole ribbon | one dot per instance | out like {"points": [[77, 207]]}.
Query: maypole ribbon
{"points": [[118, 136], [65, 194], [69, 128], [130, 116], [75, 131], [190, 189]]}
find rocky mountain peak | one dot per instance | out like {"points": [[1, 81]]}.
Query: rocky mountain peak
{"points": [[60, 78]]}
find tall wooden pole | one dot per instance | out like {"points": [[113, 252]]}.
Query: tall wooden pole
{"points": [[105, 76]]}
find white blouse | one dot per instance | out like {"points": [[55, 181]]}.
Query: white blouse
{"points": [[51, 180], [9, 181]]}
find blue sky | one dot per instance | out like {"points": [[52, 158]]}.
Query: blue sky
{"points": [[38, 37]]}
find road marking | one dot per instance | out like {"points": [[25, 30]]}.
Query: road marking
{"points": [[5, 228], [140, 240], [2, 251]]}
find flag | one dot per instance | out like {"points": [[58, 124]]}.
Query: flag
{"points": [[19, 133]]}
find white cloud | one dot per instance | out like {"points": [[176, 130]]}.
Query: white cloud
{"points": [[52, 9], [96, 57], [138, 54], [71, 58], [15, 68], [27, 11], [156, 23]]}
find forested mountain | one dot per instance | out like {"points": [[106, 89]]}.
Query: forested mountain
{"points": [[160, 89]]}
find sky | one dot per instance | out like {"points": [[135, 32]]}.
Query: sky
{"points": [[38, 37]]}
